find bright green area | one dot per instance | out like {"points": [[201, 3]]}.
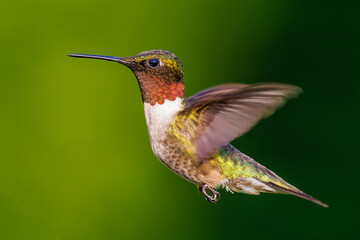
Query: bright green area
{"points": [[75, 159]]}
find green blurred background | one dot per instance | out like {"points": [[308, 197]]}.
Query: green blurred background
{"points": [[75, 159]]}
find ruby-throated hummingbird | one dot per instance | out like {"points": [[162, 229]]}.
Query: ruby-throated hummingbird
{"points": [[191, 136]]}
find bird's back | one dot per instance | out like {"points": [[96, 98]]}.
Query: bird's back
{"points": [[248, 176], [245, 174]]}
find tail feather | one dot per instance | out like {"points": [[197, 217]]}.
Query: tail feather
{"points": [[297, 193], [255, 186], [250, 177]]}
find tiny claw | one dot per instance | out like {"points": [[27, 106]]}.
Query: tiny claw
{"points": [[213, 197]]}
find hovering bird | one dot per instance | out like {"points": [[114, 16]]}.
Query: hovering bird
{"points": [[191, 136]]}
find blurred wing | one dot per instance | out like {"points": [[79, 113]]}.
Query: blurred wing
{"points": [[222, 113]]}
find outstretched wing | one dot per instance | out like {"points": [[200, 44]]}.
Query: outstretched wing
{"points": [[216, 116]]}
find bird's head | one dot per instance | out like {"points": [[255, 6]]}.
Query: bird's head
{"points": [[160, 74]]}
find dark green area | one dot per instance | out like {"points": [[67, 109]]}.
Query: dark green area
{"points": [[75, 159]]}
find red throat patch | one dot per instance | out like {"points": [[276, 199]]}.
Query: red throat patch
{"points": [[156, 90]]}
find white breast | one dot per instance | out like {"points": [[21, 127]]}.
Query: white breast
{"points": [[158, 118]]}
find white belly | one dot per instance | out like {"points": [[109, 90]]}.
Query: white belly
{"points": [[158, 118]]}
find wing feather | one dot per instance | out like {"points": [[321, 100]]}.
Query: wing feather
{"points": [[225, 112]]}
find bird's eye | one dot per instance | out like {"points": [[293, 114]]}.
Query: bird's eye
{"points": [[154, 62]]}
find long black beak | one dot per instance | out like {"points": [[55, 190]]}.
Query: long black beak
{"points": [[107, 58]]}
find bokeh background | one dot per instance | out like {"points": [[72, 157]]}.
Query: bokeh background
{"points": [[75, 159]]}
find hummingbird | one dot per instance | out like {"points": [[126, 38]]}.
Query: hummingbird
{"points": [[191, 136]]}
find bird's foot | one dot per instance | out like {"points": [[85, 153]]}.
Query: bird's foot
{"points": [[214, 196]]}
